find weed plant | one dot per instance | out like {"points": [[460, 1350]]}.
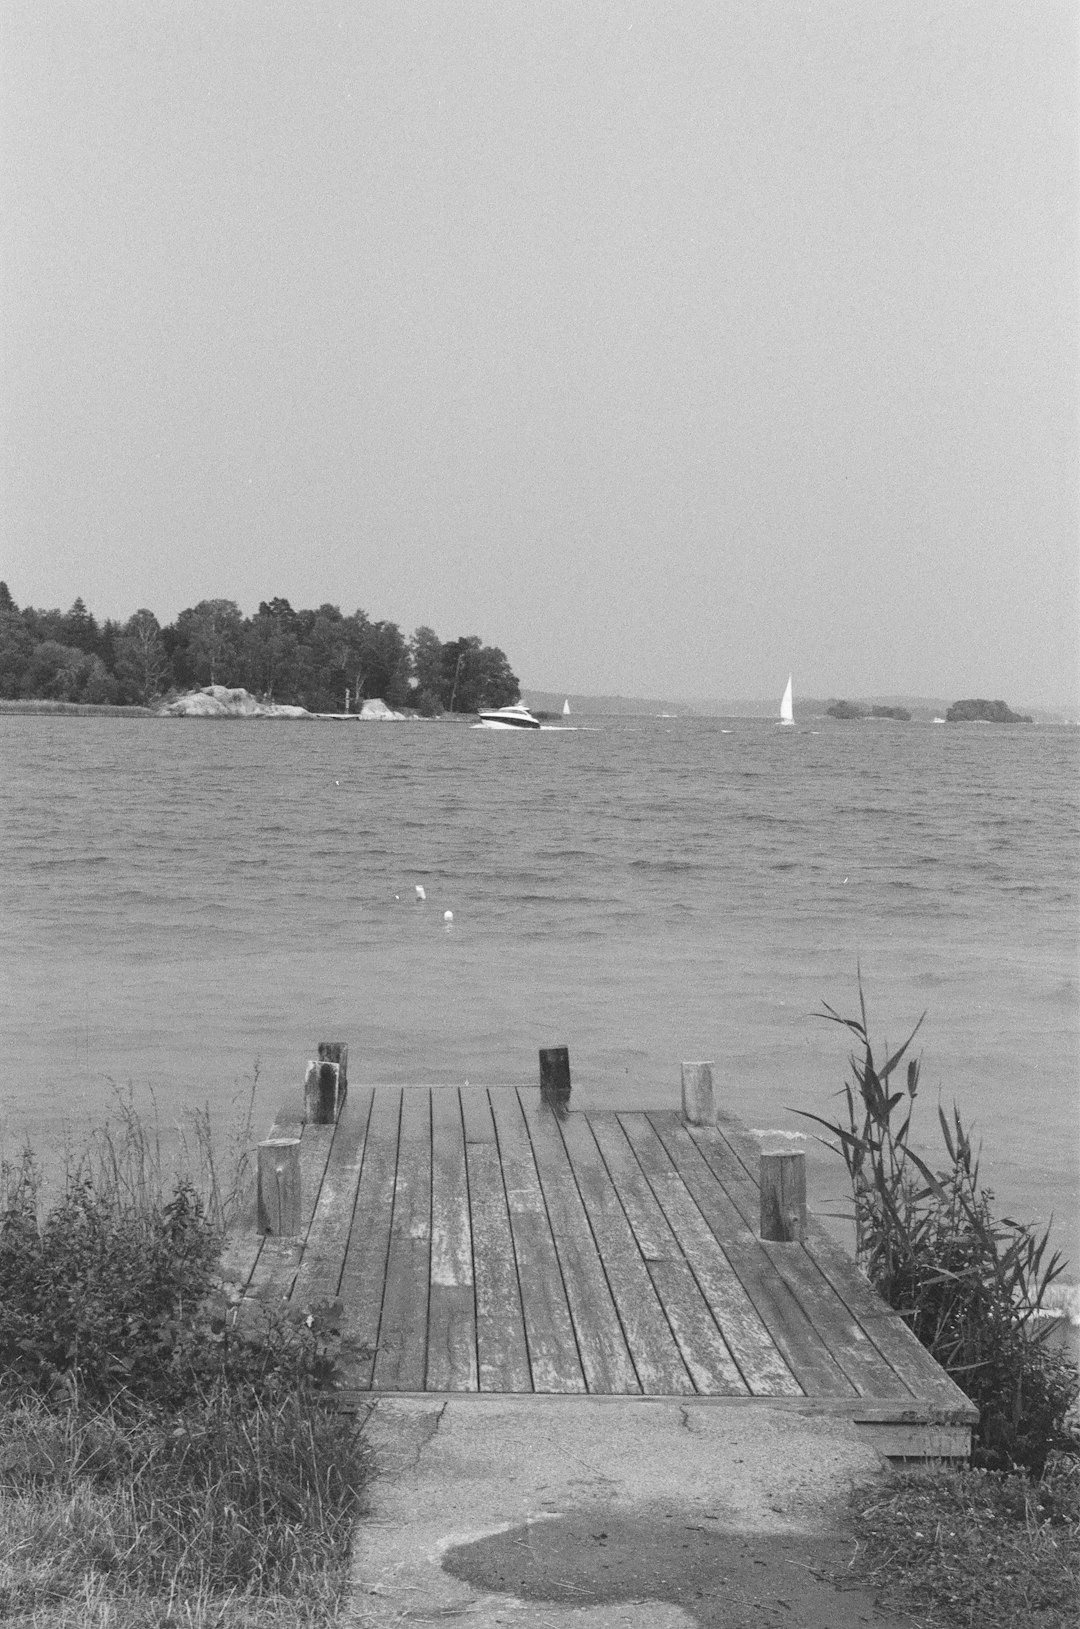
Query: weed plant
{"points": [[974, 1550], [970, 1285], [159, 1462]]}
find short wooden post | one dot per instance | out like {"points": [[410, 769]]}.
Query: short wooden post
{"points": [[321, 1093], [279, 1186], [555, 1076], [782, 1179], [337, 1052], [698, 1105]]}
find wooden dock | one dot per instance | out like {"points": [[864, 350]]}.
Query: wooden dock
{"points": [[474, 1240]]}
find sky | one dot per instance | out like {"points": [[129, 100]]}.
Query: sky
{"points": [[668, 346]]}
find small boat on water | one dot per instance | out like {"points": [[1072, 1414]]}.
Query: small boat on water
{"points": [[787, 712], [566, 708], [517, 717]]}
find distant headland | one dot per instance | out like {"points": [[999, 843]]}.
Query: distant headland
{"points": [[988, 712]]}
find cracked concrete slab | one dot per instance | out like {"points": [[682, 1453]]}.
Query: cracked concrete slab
{"points": [[606, 1514]]}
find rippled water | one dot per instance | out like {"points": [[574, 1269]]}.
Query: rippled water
{"points": [[180, 898]]}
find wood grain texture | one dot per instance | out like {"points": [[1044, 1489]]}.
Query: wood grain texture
{"points": [[657, 1356], [554, 1358], [601, 1341], [401, 1360], [452, 1357], [763, 1370], [865, 1368], [363, 1278], [502, 1350], [319, 1273]]}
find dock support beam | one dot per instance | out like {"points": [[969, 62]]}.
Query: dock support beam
{"points": [[555, 1077], [337, 1052], [279, 1186], [783, 1197], [698, 1102], [322, 1090]]}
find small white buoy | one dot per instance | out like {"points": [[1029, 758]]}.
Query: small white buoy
{"points": [[420, 894], [448, 917]]}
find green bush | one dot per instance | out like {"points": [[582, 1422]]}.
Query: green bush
{"points": [[154, 1447], [970, 1285], [111, 1293]]}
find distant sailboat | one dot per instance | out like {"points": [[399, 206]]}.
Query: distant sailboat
{"points": [[787, 714], [566, 709]]}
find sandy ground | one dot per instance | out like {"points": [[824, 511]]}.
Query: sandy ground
{"points": [[609, 1514]]}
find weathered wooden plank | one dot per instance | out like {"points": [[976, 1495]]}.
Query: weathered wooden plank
{"points": [[400, 1361], [654, 1237], [272, 1279], [476, 1115], [554, 1359], [703, 1347], [918, 1442], [862, 1363], [656, 1356], [501, 1342], [605, 1356], [794, 1335], [452, 1359], [502, 1350], [760, 1364], [733, 1153], [905, 1353], [363, 1279], [320, 1270]]}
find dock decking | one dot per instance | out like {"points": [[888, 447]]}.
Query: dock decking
{"points": [[478, 1242]]}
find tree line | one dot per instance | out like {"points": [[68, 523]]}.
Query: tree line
{"points": [[313, 659]]}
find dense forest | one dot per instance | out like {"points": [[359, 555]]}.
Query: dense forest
{"points": [[309, 659]]}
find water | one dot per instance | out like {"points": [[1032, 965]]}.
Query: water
{"points": [[181, 899]]}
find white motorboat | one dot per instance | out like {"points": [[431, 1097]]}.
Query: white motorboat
{"points": [[517, 717]]}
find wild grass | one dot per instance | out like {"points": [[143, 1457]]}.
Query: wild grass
{"points": [[159, 1463], [974, 1550], [972, 1286]]}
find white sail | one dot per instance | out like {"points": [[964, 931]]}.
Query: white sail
{"points": [[566, 708], [787, 714]]}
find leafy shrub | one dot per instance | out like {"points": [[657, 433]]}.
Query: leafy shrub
{"points": [[154, 1447], [971, 1286], [111, 1292]]}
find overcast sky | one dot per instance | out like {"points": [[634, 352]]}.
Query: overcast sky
{"points": [[669, 346]]}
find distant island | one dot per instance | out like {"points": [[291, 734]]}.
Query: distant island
{"points": [[988, 712], [315, 661], [853, 709]]}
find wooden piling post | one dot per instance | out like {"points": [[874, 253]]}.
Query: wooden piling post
{"points": [[321, 1089], [698, 1103], [337, 1052], [279, 1186], [555, 1077], [782, 1180]]}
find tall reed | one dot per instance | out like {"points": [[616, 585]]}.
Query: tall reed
{"points": [[971, 1285]]}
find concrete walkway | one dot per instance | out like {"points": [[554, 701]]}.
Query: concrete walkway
{"points": [[608, 1514]]}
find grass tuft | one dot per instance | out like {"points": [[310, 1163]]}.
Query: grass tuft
{"points": [[974, 1549]]}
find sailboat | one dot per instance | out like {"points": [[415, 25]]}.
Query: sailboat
{"points": [[787, 715], [566, 708]]}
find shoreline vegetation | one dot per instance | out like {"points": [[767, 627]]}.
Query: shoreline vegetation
{"points": [[318, 659], [161, 1460], [998, 1544]]}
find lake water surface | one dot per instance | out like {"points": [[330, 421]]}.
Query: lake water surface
{"points": [[183, 898]]}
